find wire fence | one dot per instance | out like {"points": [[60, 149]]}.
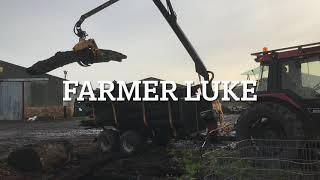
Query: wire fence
{"points": [[265, 159]]}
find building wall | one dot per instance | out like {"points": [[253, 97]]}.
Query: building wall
{"points": [[42, 94], [11, 102], [44, 99], [56, 92]]}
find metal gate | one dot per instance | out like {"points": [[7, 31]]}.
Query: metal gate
{"points": [[11, 100]]}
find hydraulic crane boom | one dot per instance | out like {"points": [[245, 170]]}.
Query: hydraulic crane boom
{"points": [[171, 17]]}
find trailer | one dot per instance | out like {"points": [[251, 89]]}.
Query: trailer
{"points": [[129, 124]]}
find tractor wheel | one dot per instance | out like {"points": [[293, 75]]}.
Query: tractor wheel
{"points": [[267, 125], [269, 121], [161, 138], [131, 142], [108, 141]]}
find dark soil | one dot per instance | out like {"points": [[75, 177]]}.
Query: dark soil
{"points": [[153, 162]]}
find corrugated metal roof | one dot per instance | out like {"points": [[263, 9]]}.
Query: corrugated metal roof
{"points": [[22, 72], [24, 80]]}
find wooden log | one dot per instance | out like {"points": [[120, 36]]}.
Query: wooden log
{"points": [[63, 58], [43, 156]]}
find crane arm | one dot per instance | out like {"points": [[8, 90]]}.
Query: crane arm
{"points": [[171, 17], [208, 114], [77, 28]]}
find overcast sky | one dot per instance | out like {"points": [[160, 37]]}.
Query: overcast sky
{"points": [[224, 33]]}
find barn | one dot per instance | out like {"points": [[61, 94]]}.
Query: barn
{"points": [[23, 95]]}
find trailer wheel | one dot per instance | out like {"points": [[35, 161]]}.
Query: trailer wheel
{"points": [[269, 121], [161, 138], [130, 142], [108, 141]]}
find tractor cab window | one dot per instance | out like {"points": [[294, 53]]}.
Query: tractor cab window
{"points": [[311, 76], [263, 78], [302, 77]]}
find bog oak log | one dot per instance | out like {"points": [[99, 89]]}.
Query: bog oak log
{"points": [[67, 57], [44, 156]]}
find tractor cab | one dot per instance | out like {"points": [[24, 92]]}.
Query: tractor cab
{"points": [[295, 69], [293, 72], [288, 91]]}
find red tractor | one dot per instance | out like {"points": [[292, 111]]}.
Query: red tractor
{"points": [[288, 91]]}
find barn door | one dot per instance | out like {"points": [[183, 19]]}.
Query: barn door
{"points": [[11, 103]]}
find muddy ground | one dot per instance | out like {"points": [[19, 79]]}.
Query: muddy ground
{"points": [[172, 162]]}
